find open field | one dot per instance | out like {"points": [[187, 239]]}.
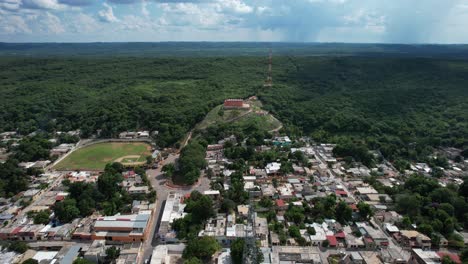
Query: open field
{"points": [[95, 157]]}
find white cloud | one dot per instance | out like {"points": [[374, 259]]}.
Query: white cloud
{"points": [[287, 20], [10, 5], [234, 6], [135, 23], [83, 23], [13, 24], [51, 24], [260, 10], [42, 4], [107, 14], [369, 20], [144, 9], [192, 15]]}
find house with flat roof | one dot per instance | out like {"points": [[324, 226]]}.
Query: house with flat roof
{"points": [[273, 168], [174, 209], [122, 228], [288, 254], [373, 237], [419, 256], [414, 239]]}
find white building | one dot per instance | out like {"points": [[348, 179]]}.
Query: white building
{"points": [[272, 168], [174, 209]]}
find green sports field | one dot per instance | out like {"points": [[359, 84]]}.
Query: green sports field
{"points": [[95, 157]]}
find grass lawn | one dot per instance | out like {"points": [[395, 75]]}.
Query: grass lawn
{"points": [[268, 122], [95, 157]]}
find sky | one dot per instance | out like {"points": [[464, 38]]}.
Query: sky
{"points": [[353, 21]]}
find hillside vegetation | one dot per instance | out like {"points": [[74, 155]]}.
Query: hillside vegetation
{"points": [[402, 106]]}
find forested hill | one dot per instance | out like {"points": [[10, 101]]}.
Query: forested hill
{"points": [[402, 106], [219, 49], [116, 94]]}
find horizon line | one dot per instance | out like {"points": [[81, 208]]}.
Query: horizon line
{"points": [[259, 42]]}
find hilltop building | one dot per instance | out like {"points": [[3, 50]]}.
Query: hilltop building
{"points": [[235, 104]]}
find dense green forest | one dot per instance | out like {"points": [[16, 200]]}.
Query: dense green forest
{"points": [[168, 95], [401, 106], [218, 49]]}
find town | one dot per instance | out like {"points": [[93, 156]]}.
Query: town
{"points": [[227, 196]]}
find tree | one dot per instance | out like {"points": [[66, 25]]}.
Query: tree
{"points": [[294, 231], [191, 161], [149, 159], [18, 246], [112, 253], [343, 212], [425, 229], [365, 211], [228, 205], [237, 250], [42, 217], [295, 214], [30, 261], [193, 260], [464, 255], [447, 260], [463, 189], [275, 182], [200, 207], [168, 170], [82, 261], [311, 231], [66, 210], [108, 182], [266, 202], [201, 247], [325, 243]]}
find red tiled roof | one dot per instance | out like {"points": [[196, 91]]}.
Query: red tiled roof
{"points": [[16, 230], [340, 235], [59, 197], [341, 192], [454, 257], [354, 207], [332, 240], [280, 203]]}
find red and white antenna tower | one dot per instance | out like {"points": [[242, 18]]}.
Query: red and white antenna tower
{"points": [[269, 80]]}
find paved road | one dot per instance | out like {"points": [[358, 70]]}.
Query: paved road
{"points": [[158, 181]]}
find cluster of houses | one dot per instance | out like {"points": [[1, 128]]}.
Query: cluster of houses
{"points": [[134, 135], [133, 183], [377, 240], [121, 229]]}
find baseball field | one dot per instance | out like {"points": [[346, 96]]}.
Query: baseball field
{"points": [[95, 157]]}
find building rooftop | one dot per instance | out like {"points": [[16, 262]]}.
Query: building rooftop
{"points": [[134, 221], [429, 257]]}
